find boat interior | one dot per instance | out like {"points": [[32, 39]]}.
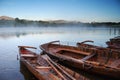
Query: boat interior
{"points": [[101, 55], [38, 63]]}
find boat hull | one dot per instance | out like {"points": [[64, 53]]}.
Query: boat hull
{"points": [[105, 72], [42, 70], [92, 67], [32, 70]]}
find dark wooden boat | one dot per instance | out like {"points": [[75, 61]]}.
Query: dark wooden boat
{"points": [[106, 64], [114, 43], [109, 53], [41, 66]]}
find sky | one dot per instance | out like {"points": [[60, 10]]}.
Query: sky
{"points": [[78, 10]]}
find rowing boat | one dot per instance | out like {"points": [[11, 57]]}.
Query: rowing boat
{"points": [[42, 66], [106, 64], [110, 54], [114, 43]]}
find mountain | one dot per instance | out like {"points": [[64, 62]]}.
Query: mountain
{"points": [[6, 18]]}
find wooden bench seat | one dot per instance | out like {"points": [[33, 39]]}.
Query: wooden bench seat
{"points": [[75, 51], [27, 55]]}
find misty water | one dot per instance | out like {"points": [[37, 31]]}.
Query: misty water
{"points": [[11, 37]]}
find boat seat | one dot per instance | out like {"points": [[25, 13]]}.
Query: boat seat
{"points": [[88, 57], [43, 67], [27, 55], [76, 51], [116, 64]]}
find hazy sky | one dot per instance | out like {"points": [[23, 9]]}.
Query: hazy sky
{"points": [[81, 10]]}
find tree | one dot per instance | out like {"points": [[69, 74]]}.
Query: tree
{"points": [[17, 19]]}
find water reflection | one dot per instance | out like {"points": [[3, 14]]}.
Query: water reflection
{"points": [[17, 32], [114, 31]]}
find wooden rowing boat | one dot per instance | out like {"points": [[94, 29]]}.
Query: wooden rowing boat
{"points": [[42, 66], [109, 53], [106, 64], [114, 43], [40, 69]]}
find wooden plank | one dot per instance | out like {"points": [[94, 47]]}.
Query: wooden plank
{"points": [[88, 57], [55, 69], [76, 51], [27, 55], [43, 67], [115, 64], [72, 78]]}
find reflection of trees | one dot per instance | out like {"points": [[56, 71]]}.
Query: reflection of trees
{"points": [[118, 31], [9, 35], [19, 34], [16, 34], [114, 31]]}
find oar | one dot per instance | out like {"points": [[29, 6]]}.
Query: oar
{"points": [[55, 69], [72, 78]]}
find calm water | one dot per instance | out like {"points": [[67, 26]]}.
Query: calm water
{"points": [[10, 38]]}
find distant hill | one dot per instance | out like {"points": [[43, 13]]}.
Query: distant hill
{"points": [[6, 18]]}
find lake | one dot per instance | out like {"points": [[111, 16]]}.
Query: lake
{"points": [[11, 37]]}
